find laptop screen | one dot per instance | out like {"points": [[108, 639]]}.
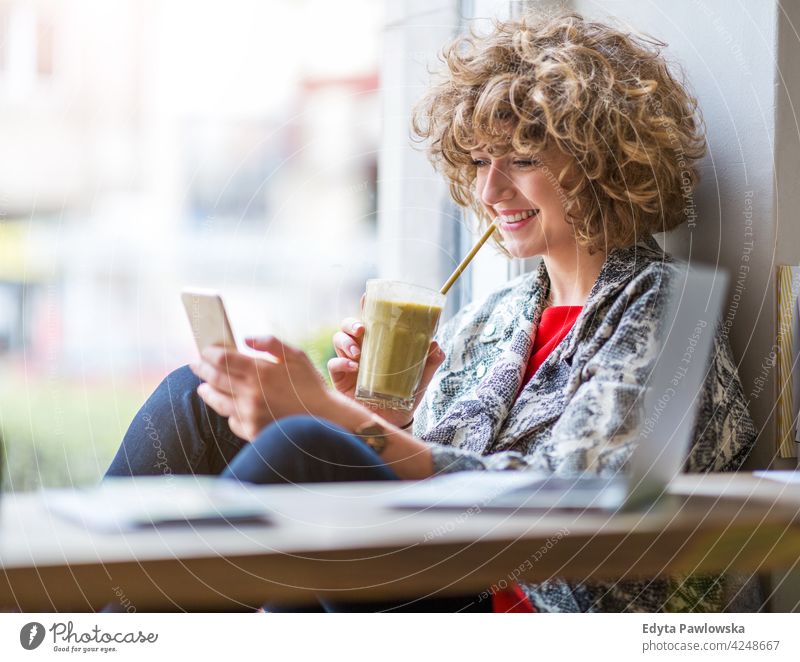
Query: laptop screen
{"points": [[676, 384]]}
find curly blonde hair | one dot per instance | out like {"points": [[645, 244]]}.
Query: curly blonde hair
{"points": [[600, 95]]}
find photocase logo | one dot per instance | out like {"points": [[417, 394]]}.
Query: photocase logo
{"points": [[31, 635]]}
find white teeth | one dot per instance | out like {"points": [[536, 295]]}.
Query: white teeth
{"points": [[518, 217]]}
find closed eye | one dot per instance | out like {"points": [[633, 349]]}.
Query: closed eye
{"points": [[520, 163], [527, 163]]}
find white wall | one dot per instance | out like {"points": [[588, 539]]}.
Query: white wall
{"points": [[729, 58], [414, 237], [786, 588]]}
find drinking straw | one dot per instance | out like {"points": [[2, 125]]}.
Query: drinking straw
{"points": [[460, 268]]}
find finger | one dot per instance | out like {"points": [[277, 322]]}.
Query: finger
{"points": [[346, 346], [227, 360], [238, 428], [221, 403], [435, 358], [279, 350], [353, 326], [247, 427], [341, 368], [221, 380]]}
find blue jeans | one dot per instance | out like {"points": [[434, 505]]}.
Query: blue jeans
{"points": [[174, 432]]}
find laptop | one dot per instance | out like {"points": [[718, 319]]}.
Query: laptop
{"points": [[673, 392]]}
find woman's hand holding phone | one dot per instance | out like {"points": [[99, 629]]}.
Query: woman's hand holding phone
{"points": [[252, 392]]}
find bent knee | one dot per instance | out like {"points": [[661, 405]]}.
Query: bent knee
{"points": [[303, 434], [303, 430], [179, 381]]}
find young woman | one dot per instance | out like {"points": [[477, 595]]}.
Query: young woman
{"points": [[579, 139]]}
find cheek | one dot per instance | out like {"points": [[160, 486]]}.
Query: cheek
{"points": [[478, 187], [544, 189]]}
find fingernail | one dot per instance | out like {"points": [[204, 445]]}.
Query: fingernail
{"points": [[354, 351], [356, 327], [352, 364]]}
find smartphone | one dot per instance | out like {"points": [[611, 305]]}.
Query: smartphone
{"points": [[208, 319]]}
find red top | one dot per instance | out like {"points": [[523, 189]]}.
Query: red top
{"points": [[555, 325]]}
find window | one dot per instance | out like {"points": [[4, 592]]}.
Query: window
{"points": [[227, 144]]}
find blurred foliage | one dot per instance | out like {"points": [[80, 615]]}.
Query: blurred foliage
{"points": [[319, 348], [58, 432]]}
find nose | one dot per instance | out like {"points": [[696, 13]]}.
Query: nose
{"points": [[497, 186]]}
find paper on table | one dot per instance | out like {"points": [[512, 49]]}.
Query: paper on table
{"points": [[780, 476], [119, 504]]}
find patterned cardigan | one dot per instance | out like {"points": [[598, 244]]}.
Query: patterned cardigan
{"points": [[576, 413]]}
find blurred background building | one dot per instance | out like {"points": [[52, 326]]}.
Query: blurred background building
{"points": [[150, 145]]}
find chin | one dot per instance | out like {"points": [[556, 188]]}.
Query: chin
{"points": [[524, 252]]}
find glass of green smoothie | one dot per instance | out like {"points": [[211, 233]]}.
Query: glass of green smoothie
{"points": [[400, 320]]}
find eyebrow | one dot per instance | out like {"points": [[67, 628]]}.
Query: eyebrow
{"points": [[516, 155]]}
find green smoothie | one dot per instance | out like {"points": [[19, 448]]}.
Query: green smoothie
{"points": [[397, 337]]}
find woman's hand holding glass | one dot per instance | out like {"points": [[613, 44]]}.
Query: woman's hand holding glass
{"points": [[344, 368]]}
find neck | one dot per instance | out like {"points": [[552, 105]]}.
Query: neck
{"points": [[573, 276]]}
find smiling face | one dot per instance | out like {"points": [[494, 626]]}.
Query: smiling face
{"points": [[523, 191]]}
